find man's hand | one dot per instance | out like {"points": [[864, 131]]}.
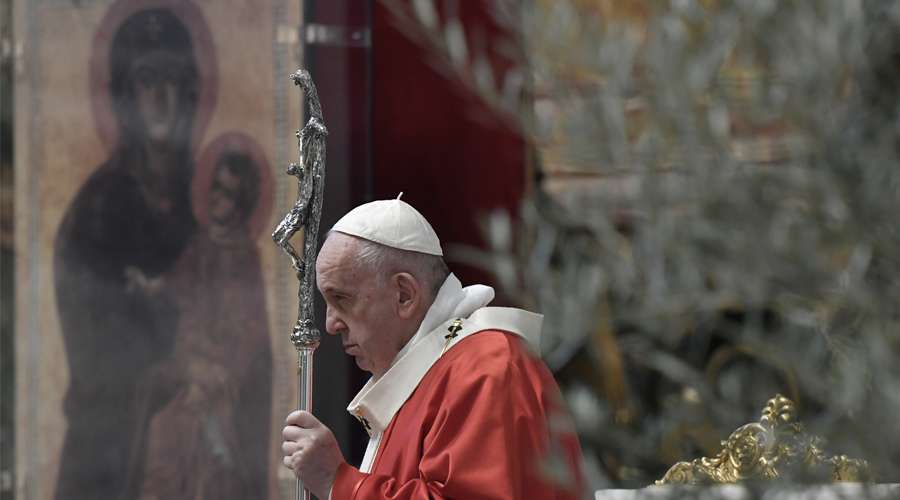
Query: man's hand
{"points": [[311, 451]]}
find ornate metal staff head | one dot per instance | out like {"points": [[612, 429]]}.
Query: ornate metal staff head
{"points": [[306, 212]]}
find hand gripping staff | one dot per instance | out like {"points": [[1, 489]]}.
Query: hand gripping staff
{"points": [[305, 214]]}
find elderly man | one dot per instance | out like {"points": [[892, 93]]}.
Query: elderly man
{"points": [[457, 406]]}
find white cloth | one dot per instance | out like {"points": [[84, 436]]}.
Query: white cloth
{"points": [[394, 223], [381, 398], [774, 491]]}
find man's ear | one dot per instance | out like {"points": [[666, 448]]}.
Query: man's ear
{"points": [[409, 294]]}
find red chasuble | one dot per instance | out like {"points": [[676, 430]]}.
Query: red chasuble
{"points": [[485, 422]]}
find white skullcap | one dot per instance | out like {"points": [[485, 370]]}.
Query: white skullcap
{"points": [[393, 223]]}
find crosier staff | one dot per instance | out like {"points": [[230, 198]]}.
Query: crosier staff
{"points": [[305, 214]]}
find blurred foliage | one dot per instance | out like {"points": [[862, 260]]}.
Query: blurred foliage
{"points": [[713, 215]]}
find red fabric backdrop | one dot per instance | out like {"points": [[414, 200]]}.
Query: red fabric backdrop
{"points": [[436, 141]]}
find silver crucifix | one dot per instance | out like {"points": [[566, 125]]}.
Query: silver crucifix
{"points": [[305, 215]]}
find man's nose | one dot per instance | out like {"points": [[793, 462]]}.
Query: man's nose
{"points": [[333, 324]]}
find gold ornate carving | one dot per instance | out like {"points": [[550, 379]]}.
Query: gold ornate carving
{"points": [[775, 447]]}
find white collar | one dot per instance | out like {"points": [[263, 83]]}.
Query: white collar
{"points": [[456, 313], [452, 301]]}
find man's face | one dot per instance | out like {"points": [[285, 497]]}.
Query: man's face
{"points": [[358, 308]]}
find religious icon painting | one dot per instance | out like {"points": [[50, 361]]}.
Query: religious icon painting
{"points": [[148, 290]]}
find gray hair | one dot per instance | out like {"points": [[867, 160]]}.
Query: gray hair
{"points": [[430, 270]]}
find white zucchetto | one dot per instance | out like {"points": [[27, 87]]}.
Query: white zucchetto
{"points": [[393, 223]]}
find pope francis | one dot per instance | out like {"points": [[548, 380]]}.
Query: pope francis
{"points": [[458, 405]]}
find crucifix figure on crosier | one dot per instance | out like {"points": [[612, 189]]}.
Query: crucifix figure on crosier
{"points": [[305, 215]]}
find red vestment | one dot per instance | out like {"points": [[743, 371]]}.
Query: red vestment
{"points": [[485, 422]]}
